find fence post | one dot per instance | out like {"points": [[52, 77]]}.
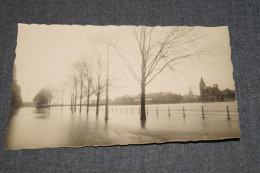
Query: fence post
{"points": [[202, 110], [228, 117], [183, 111], [169, 111], [157, 111], [147, 111]]}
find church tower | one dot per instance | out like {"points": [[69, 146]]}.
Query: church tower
{"points": [[202, 86], [190, 93]]}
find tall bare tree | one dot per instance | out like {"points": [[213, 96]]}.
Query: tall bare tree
{"points": [[158, 48], [75, 92], [71, 92], [79, 67], [88, 84], [99, 82], [107, 85], [68, 89], [72, 89]]}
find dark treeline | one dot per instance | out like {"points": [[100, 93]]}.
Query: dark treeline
{"points": [[16, 99], [43, 98]]}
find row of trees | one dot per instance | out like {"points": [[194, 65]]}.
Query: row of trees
{"points": [[89, 78], [43, 98]]}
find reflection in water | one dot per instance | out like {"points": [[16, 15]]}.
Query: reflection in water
{"points": [[229, 123], [106, 125], [38, 128], [13, 112], [143, 123], [41, 113]]}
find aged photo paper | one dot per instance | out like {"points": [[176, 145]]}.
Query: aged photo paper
{"points": [[77, 86]]}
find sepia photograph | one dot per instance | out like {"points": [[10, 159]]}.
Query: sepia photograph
{"points": [[76, 86]]}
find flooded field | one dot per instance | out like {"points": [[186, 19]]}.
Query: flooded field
{"points": [[57, 127]]}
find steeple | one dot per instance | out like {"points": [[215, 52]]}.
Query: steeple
{"points": [[202, 83], [190, 92]]}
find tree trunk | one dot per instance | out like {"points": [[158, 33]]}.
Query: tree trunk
{"points": [[143, 114], [80, 97], [49, 103], [107, 81], [62, 100], [75, 101], [88, 97], [80, 103], [71, 104], [97, 105]]}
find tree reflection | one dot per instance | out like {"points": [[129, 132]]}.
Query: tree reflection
{"points": [[143, 124], [42, 113]]}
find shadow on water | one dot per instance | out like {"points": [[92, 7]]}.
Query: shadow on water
{"points": [[42, 113], [12, 112], [106, 124], [143, 124]]}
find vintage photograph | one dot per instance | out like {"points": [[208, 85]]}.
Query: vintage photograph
{"points": [[77, 86]]}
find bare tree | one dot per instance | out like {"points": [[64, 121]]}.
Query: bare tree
{"points": [[71, 92], [158, 49], [68, 89], [72, 89], [75, 92], [79, 67], [99, 82], [88, 76], [107, 85]]}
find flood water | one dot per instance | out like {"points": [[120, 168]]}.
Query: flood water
{"points": [[57, 127]]}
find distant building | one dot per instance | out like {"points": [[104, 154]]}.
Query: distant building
{"points": [[211, 94], [124, 100], [190, 97], [160, 98], [150, 98]]}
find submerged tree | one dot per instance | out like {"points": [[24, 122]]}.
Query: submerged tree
{"points": [[69, 88], [99, 82], [107, 85], [88, 85], [75, 93], [158, 48], [80, 69], [43, 98], [16, 99]]}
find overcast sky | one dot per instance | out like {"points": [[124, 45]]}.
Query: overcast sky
{"points": [[44, 55]]}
